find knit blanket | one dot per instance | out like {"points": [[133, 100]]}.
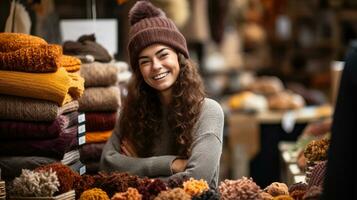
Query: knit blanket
{"points": [[100, 99], [55, 148], [27, 109], [60, 87], [100, 121], [36, 130], [99, 74], [98, 136], [87, 45], [91, 152], [44, 58]]}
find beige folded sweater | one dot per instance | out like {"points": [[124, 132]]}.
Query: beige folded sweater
{"points": [[100, 99], [28, 109], [99, 74]]}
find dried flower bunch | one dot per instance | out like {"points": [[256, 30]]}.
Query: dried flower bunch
{"points": [[94, 194], [83, 183], [130, 194], [316, 150], [195, 187], [151, 188], [35, 184], [66, 176], [115, 182], [276, 189], [298, 190], [241, 189], [173, 194]]}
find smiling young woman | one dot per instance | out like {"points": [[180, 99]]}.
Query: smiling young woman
{"points": [[167, 126]]}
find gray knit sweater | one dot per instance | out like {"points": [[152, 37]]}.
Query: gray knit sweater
{"points": [[202, 164]]}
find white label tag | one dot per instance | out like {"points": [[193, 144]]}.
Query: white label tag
{"points": [[288, 121], [294, 169], [82, 140], [81, 118], [82, 170], [81, 129]]}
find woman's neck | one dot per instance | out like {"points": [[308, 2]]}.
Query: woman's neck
{"points": [[166, 97]]}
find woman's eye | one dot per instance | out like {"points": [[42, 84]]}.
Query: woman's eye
{"points": [[163, 55], [143, 62]]}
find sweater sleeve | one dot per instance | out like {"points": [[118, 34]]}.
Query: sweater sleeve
{"points": [[113, 160], [207, 145]]}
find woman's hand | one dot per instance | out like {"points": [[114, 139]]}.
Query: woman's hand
{"points": [[127, 148], [178, 165]]}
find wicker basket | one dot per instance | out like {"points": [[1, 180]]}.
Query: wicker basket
{"points": [[70, 195], [2, 190]]}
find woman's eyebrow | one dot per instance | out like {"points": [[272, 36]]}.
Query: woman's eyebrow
{"points": [[158, 52]]}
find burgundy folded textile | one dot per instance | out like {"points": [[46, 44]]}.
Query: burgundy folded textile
{"points": [[37, 130], [91, 152], [54, 148], [100, 121]]}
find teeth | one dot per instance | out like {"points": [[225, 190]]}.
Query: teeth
{"points": [[160, 76]]}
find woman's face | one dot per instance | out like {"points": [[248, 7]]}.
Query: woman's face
{"points": [[159, 67]]}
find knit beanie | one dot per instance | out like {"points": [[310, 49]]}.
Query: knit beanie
{"points": [[149, 25]]}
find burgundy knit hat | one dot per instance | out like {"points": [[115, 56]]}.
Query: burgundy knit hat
{"points": [[150, 25]]}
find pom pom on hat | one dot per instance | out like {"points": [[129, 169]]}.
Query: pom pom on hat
{"points": [[143, 9]]}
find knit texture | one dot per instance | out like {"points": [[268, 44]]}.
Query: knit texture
{"points": [[14, 41], [100, 99], [87, 45], [60, 87], [27, 109], [44, 58], [70, 63], [98, 74], [100, 121], [99, 136], [91, 152], [55, 148], [35, 184], [36, 130], [149, 25]]}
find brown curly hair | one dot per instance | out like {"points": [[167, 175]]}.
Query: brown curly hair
{"points": [[141, 114]]}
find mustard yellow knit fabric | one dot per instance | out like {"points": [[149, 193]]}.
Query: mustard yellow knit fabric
{"points": [[14, 41], [98, 136], [43, 58], [60, 87], [70, 63]]}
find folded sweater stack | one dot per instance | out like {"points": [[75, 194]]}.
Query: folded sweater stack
{"points": [[39, 88], [101, 99]]}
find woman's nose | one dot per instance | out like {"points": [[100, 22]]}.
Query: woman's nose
{"points": [[156, 64]]}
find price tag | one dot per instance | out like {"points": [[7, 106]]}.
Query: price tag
{"points": [[81, 140], [81, 118], [81, 129], [82, 170], [288, 122]]}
